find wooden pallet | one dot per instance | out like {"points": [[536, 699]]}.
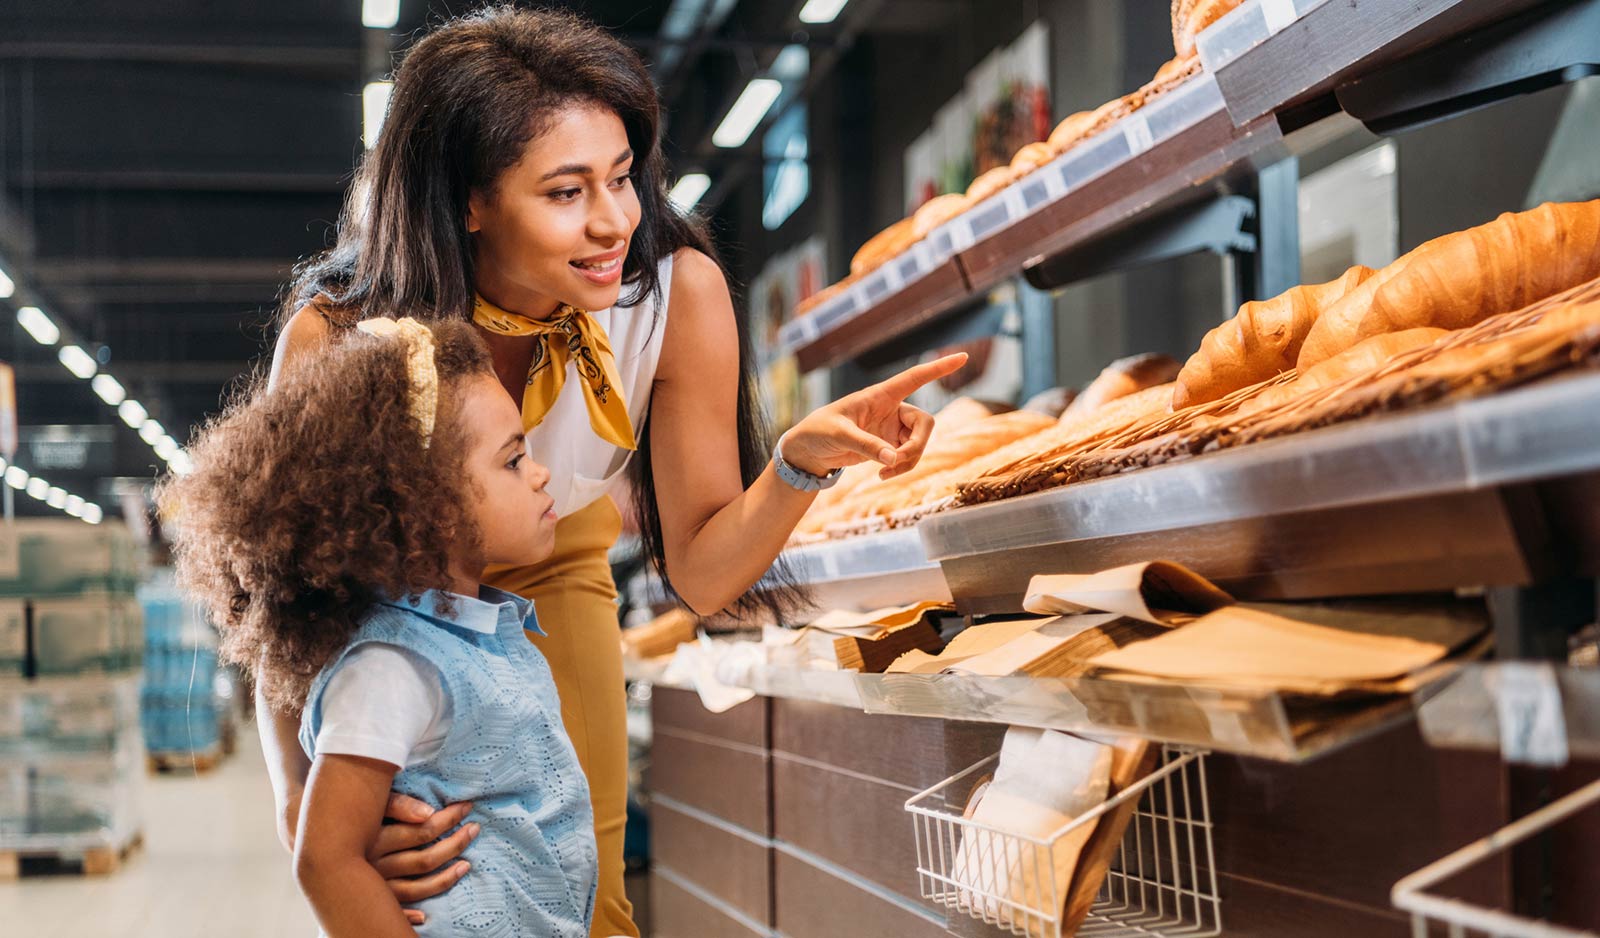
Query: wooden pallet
{"points": [[90, 861], [196, 763]]}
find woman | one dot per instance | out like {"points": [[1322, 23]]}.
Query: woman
{"points": [[518, 182]]}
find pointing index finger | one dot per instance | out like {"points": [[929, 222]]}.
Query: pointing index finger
{"points": [[903, 384]]}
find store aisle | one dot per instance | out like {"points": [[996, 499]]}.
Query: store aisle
{"points": [[211, 865]]}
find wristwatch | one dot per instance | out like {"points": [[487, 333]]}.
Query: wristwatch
{"points": [[799, 478]]}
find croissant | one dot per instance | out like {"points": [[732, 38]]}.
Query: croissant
{"points": [[1261, 341], [1460, 279]]}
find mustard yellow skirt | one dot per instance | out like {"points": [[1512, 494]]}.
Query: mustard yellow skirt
{"points": [[576, 602]]}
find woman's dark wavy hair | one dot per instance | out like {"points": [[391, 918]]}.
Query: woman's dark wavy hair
{"points": [[467, 99], [312, 500]]}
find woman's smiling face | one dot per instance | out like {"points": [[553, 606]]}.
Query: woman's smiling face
{"points": [[557, 224]]}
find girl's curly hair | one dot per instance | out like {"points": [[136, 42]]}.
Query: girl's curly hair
{"points": [[310, 501]]}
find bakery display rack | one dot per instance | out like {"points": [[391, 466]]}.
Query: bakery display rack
{"points": [[1281, 77]]}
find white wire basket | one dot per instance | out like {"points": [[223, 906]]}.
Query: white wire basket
{"points": [[1162, 880], [1433, 914]]}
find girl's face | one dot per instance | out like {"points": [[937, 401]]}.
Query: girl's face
{"points": [[515, 518], [557, 224]]}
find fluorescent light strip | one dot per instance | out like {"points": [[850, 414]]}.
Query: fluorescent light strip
{"points": [[821, 11], [17, 477], [38, 325], [132, 413], [77, 361], [109, 389], [93, 514], [6, 286], [688, 191], [374, 106], [380, 14], [56, 497], [37, 488], [151, 431], [753, 103]]}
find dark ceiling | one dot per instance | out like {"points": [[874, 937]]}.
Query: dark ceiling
{"points": [[165, 164]]}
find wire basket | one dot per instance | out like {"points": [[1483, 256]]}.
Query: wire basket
{"points": [[1162, 880], [1431, 914]]}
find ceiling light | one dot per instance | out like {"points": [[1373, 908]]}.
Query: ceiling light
{"points": [[380, 14], [93, 514], [56, 497], [132, 413], [75, 506], [150, 431], [38, 325], [37, 488], [688, 190], [17, 477], [181, 463], [821, 11], [78, 361], [166, 448], [109, 389], [6, 286], [374, 105], [753, 103]]}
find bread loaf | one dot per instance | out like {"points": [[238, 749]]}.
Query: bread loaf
{"points": [[883, 246], [1121, 378], [990, 182], [1366, 356], [1070, 131], [1264, 339], [1030, 158], [1461, 279], [936, 211]]}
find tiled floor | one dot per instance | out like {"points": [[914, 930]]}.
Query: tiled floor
{"points": [[211, 866]]}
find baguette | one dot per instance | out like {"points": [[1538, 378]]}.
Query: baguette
{"points": [[1261, 341], [1461, 279]]}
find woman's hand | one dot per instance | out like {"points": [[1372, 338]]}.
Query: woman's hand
{"points": [[874, 424], [409, 855]]}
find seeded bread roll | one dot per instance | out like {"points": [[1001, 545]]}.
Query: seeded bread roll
{"points": [[1070, 131], [990, 182], [1030, 158]]}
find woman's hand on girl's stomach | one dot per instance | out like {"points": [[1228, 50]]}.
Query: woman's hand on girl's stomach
{"points": [[874, 424], [410, 854]]}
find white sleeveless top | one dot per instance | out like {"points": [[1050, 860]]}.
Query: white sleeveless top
{"points": [[582, 466]]}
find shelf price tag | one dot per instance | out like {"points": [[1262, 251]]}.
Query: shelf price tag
{"points": [[1527, 700], [1278, 14], [1137, 131]]}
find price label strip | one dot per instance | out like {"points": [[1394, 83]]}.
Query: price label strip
{"points": [[1527, 700], [1278, 14], [1137, 131]]}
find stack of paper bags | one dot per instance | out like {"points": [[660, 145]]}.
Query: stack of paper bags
{"points": [[1091, 614], [1162, 623], [1032, 855]]}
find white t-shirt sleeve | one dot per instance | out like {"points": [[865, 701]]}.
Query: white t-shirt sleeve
{"points": [[386, 703]]}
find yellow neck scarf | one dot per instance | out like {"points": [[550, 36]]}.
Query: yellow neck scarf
{"points": [[571, 335]]}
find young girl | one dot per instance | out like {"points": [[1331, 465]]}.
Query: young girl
{"points": [[337, 528]]}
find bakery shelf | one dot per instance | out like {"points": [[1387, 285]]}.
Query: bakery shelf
{"points": [[1152, 157], [1249, 722], [1269, 55], [1374, 506], [1553, 712]]}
